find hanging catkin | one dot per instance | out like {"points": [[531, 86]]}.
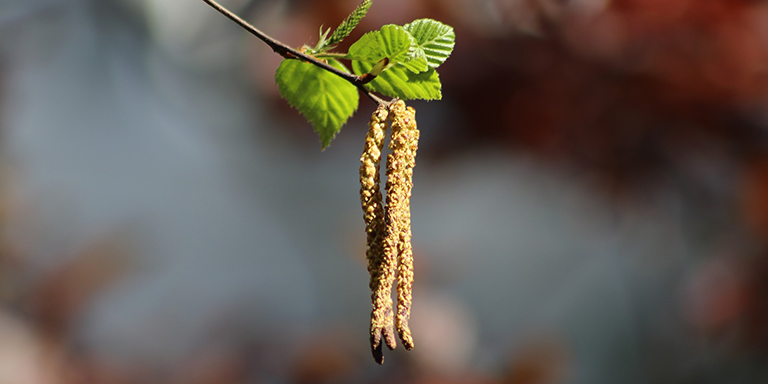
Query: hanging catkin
{"points": [[388, 227], [397, 244], [381, 269]]}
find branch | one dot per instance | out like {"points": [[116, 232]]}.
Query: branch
{"points": [[290, 53]]}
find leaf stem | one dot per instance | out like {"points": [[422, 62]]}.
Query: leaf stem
{"points": [[290, 53]]}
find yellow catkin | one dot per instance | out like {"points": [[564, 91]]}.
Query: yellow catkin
{"points": [[382, 270], [397, 244]]}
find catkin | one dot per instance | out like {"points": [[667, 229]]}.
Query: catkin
{"points": [[380, 268], [388, 227], [397, 244]]}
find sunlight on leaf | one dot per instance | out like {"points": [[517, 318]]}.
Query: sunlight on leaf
{"points": [[326, 100], [433, 38], [394, 43], [400, 82]]}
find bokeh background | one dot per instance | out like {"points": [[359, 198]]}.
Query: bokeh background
{"points": [[590, 201]]}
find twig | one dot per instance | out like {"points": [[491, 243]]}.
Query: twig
{"points": [[290, 53]]}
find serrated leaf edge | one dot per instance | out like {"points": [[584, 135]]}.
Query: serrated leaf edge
{"points": [[445, 39], [324, 141]]}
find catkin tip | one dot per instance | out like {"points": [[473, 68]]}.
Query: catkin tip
{"points": [[378, 353]]}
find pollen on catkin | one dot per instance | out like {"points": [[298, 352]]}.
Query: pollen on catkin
{"points": [[397, 244], [380, 268]]}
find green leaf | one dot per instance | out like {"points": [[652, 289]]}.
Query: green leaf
{"points": [[417, 63], [367, 48], [392, 42], [326, 100], [400, 82], [396, 43], [346, 26], [433, 38]]}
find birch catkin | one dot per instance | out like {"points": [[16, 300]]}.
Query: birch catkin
{"points": [[381, 269], [388, 227], [397, 243]]}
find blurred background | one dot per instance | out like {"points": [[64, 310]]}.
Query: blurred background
{"points": [[590, 201]]}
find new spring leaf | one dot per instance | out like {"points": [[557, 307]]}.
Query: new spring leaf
{"points": [[392, 42], [433, 38], [326, 100], [398, 81]]}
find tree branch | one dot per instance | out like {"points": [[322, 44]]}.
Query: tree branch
{"points": [[290, 53]]}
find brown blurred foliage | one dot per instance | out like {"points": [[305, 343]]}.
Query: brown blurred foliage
{"points": [[621, 89]]}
